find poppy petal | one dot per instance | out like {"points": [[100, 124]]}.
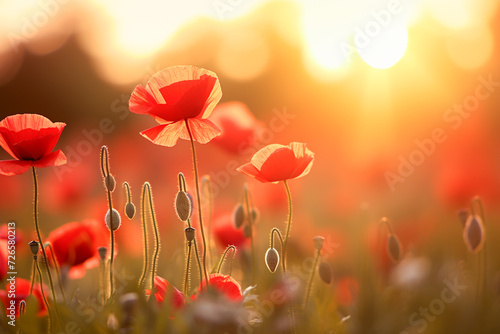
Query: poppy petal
{"points": [[14, 167], [304, 159], [279, 165], [141, 101], [261, 156], [56, 158], [165, 134], [203, 130]]}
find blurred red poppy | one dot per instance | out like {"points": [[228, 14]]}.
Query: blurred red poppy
{"points": [[29, 139], [22, 288], [277, 162], [346, 291], [163, 287], [3, 258], [239, 127], [226, 233], [75, 245], [176, 97], [226, 285]]}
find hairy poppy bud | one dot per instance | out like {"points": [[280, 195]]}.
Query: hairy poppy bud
{"points": [[272, 259], [183, 205], [33, 247], [102, 252], [130, 210], [109, 182], [113, 220], [318, 242], [190, 233], [239, 216], [474, 233], [22, 307], [325, 272], [394, 248]]}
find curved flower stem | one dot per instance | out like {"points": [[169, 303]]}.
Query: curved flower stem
{"points": [[144, 236], [157, 235], [273, 231], [199, 266], [289, 223], [200, 214], [33, 276], [127, 191], [186, 276], [105, 174], [223, 258], [35, 213], [58, 272], [311, 278], [252, 244], [41, 289]]}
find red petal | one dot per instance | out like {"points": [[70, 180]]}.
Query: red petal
{"points": [[203, 130], [56, 158], [164, 135], [226, 285], [163, 287], [14, 167], [304, 160], [279, 165], [177, 93], [141, 102]]}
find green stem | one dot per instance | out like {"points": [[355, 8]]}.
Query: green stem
{"points": [[223, 257], [188, 262], [311, 278], [35, 210], [41, 290], [56, 266], [195, 166], [289, 223], [252, 244], [157, 236], [199, 266], [207, 181], [105, 174], [273, 231], [144, 236]]}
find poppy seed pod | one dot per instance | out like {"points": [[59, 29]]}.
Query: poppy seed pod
{"points": [[183, 205], [474, 234], [318, 242], [102, 252], [190, 233], [247, 230], [239, 216], [394, 248], [130, 210], [113, 220], [33, 247], [109, 183], [325, 272], [272, 259]]}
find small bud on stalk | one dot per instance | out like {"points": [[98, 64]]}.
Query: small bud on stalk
{"points": [[113, 220], [272, 259]]}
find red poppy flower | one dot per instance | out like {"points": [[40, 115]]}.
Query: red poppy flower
{"points": [[75, 245], [226, 233], [277, 162], [29, 139], [239, 127], [346, 291], [163, 287], [175, 96], [22, 293], [226, 285], [3, 258]]}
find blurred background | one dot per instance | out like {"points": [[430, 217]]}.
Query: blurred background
{"points": [[397, 99]]}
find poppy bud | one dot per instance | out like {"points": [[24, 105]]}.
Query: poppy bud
{"points": [[22, 307], [474, 233], [247, 230], [463, 214], [33, 247], [183, 205], [325, 272], [190, 233], [113, 218], [272, 259], [255, 215], [318, 242], [130, 210], [109, 182], [239, 216], [394, 248], [102, 252]]}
